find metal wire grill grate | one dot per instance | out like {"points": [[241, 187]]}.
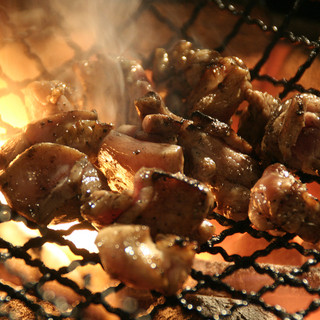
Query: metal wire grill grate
{"points": [[201, 22]]}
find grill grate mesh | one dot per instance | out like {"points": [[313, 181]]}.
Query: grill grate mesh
{"points": [[238, 18]]}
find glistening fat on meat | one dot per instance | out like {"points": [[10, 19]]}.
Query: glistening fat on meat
{"points": [[129, 254], [77, 129], [280, 201], [48, 182]]}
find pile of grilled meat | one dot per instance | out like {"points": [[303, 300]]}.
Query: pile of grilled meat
{"points": [[148, 184]]}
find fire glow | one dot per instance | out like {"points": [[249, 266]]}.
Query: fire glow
{"points": [[83, 239]]}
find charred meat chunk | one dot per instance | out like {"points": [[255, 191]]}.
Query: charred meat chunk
{"points": [[121, 156], [77, 129], [253, 120], [167, 203], [180, 68], [49, 182], [292, 136], [46, 98], [221, 89], [129, 253], [213, 154], [215, 160], [280, 201], [103, 207], [200, 79]]}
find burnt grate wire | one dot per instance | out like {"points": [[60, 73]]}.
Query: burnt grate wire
{"points": [[268, 28]]}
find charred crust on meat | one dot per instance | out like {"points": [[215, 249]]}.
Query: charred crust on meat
{"points": [[221, 86], [192, 127], [5, 185], [31, 152], [300, 106]]}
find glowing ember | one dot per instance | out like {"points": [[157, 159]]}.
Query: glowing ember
{"points": [[83, 239]]}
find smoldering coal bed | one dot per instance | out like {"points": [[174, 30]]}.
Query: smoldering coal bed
{"points": [[46, 273]]}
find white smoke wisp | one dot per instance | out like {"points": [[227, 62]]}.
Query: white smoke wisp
{"points": [[96, 26], [99, 22]]}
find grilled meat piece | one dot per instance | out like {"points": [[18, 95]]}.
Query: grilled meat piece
{"points": [[48, 182], [46, 98], [146, 204], [292, 136], [280, 201], [219, 129], [179, 70], [161, 127], [103, 207], [255, 117], [221, 89], [167, 203], [213, 154], [77, 129], [209, 83], [158, 120], [229, 172], [128, 253], [151, 103], [181, 67], [120, 152]]}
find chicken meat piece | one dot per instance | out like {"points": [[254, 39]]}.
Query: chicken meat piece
{"points": [[209, 83], [49, 182], [219, 129], [253, 120], [178, 70], [46, 98], [103, 207], [292, 136], [137, 132], [166, 203], [129, 254], [161, 128], [181, 67], [221, 89], [121, 156], [152, 103], [77, 129], [213, 154], [229, 172], [161, 124], [280, 201]]}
